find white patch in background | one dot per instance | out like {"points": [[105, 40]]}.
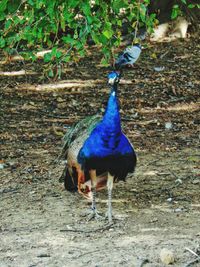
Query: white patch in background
{"points": [[159, 32], [180, 28], [170, 30]]}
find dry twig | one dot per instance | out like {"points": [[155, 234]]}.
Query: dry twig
{"points": [[193, 261], [86, 253], [100, 229]]}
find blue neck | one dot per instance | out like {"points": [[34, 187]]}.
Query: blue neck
{"points": [[112, 117]]}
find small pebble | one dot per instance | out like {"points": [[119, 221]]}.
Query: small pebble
{"points": [[32, 192], [159, 68], [167, 256], [196, 181], [1, 166], [170, 199], [179, 181], [153, 220], [168, 125], [178, 210], [190, 84]]}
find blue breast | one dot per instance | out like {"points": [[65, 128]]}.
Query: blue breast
{"points": [[107, 139]]}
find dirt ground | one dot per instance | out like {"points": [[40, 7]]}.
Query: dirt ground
{"points": [[158, 207]]}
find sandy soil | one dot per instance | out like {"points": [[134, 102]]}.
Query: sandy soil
{"points": [[158, 207]]}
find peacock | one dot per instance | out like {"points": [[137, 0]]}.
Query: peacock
{"points": [[98, 153], [129, 56]]}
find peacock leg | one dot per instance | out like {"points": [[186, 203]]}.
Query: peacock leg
{"points": [[94, 213], [110, 187]]}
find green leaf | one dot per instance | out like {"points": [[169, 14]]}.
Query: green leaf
{"points": [[66, 58], [191, 6], [2, 16], [73, 3], [2, 42], [62, 23], [118, 4], [68, 39], [175, 11], [13, 5], [90, 19], [58, 54], [119, 22], [47, 57], [143, 12], [86, 8], [54, 51], [103, 40], [33, 57], [79, 46], [108, 32], [31, 2], [3, 5], [82, 53], [8, 24], [95, 37], [50, 73], [104, 61], [184, 1]]}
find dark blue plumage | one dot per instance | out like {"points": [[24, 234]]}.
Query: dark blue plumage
{"points": [[129, 56], [99, 156], [107, 148]]}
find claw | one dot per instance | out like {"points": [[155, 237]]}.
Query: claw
{"points": [[109, 224], [93, 214], [109, 217]]}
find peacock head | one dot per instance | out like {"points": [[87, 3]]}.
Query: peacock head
{"points": [[113, 78]]}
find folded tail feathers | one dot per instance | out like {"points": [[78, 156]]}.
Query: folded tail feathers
{"points": [[80, 182]]}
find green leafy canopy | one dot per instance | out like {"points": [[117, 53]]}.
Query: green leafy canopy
{"points": [[66, 27]]}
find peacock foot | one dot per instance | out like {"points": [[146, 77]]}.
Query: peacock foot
{"points": [[94, 214], [109, 218]]}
